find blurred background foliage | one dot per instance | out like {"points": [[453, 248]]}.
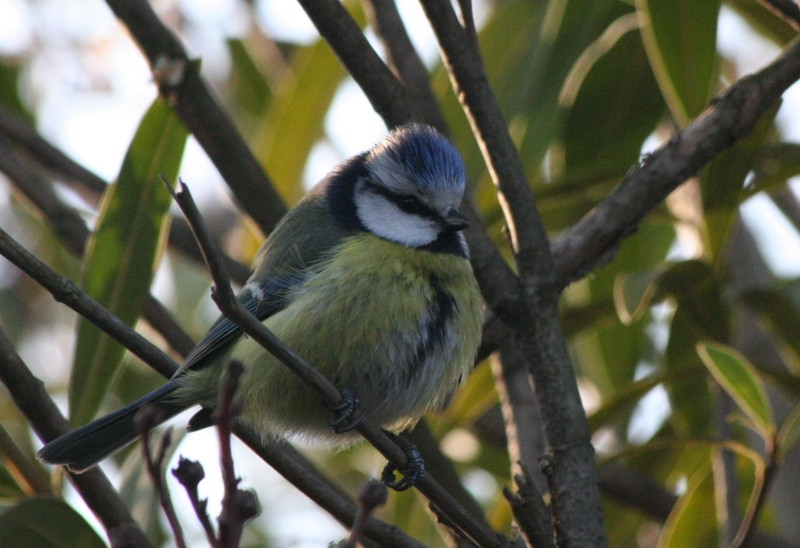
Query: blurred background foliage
{"points": [[687, 338]]}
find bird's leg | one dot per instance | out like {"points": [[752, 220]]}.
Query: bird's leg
{"points": [[411, 473], [347, 414]]}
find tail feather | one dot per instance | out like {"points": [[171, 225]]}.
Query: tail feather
{"points": [[86, 446]]}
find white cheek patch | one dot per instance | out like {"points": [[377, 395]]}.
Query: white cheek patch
{"points": [[383, 218]]}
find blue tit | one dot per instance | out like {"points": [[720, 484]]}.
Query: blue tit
{"points": [[367, 278]]}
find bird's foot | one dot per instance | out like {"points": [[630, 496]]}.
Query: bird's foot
{"points": [[347, 414], [411, 473]]}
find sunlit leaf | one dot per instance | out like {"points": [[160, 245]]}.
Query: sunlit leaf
{"points": [[46, 522], [123, 250], [294, 120], [741, 381], [693, 520]]}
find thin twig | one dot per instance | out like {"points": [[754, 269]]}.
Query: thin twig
{"points": [[65, 291], [786, 10], [145, 422], [356, 54], [372, 495], [238, 505], [190, 473]]}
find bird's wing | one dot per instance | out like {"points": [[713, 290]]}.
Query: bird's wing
{"points": [[279, 272]]}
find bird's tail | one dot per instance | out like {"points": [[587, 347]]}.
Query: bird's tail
{"points": [[86, 446]]}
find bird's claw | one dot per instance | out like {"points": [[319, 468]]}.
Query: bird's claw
{"points": [[411, 473], [347, 414]]}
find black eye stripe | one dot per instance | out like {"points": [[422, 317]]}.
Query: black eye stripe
{"points": [[405, 202]]}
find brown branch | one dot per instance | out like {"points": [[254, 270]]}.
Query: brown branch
{"points": [[238, 505], [729, 118], [180, 83], [145, 422], [470, 82], [190, 473], [65, 291], [533, 312], [31, 398]]}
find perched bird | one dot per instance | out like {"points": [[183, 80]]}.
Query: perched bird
{"points": [[367, 278]]}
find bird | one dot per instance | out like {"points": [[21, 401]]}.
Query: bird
{"points": [[367, 278]]}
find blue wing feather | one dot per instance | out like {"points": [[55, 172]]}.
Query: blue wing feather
{"points": [[260, 299]]}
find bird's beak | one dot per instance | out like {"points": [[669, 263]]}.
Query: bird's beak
{"points": [[454, 221]]}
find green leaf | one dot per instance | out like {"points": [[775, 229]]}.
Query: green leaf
{"points": [[249, 89], [123, 251], [781, 314], [602, 133], [789, 433], [295, 118], [681, 40], [722, 185], [46, 522], [742, 382], [693, 520]]}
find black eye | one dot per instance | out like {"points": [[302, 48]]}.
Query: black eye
{"points": [[410, 204]]}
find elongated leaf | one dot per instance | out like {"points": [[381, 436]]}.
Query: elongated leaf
{"points": [[46, 522], [123, 250], [693, 520], [741, 381], [789, 434], [722, 184], [681, 40], [295, 117], [602, 133]]}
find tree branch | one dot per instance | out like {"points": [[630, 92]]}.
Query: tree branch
{"points": [[31, 398], [729, 118], [180, 83]]}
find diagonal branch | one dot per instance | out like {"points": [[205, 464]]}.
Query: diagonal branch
{"points": [[729, 118], [31, 398], [470, 82], [354, 51]]}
